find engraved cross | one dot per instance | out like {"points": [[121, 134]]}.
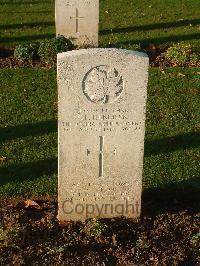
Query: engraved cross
{"points": [[77, 19], [101, 155]]}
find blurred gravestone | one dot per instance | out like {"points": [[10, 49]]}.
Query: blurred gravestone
{"points": [[78, 19]]}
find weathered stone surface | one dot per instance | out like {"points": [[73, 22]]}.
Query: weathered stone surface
{"points": [[102, 103], [78, 19]]}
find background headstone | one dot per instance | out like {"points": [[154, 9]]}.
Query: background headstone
{"points": [[102, 103], [78, 19]]}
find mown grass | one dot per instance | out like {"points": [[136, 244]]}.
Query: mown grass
{"points": [[29, 131], [123, 23], [26, 21]]}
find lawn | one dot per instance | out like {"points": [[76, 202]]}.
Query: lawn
{"points": [[122, 23], [28, 150], [168, 231], [29, 131]]}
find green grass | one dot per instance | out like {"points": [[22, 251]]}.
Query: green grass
{"points": [[28, 110], [26, 20], [172, 147], [123, 23], [29, 131]]}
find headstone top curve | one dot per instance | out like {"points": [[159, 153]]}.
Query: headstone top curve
{"points": [[101, 50]]}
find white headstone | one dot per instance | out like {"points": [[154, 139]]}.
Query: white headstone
{"points": [[78, 19], [102, 101]]}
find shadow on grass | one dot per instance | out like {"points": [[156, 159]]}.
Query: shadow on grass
{"points": [[160, 40], [39, 128], [28, 171], [171, 144], [171, 197], [152, 147], [23, 2], [26, 38], [26, 25], [26, 12], [155, 26], [174, 197]]}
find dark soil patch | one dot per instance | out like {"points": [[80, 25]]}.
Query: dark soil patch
{"points": [[156, 57], [7, 59], [5, 52], [34, 237], [12, 62]]}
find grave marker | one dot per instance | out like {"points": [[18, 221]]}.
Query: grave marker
{"points": [[78, 19], [102, 103]]}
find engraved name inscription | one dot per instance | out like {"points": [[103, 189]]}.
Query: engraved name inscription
{"points": [[78, 2], [100, 120]]}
